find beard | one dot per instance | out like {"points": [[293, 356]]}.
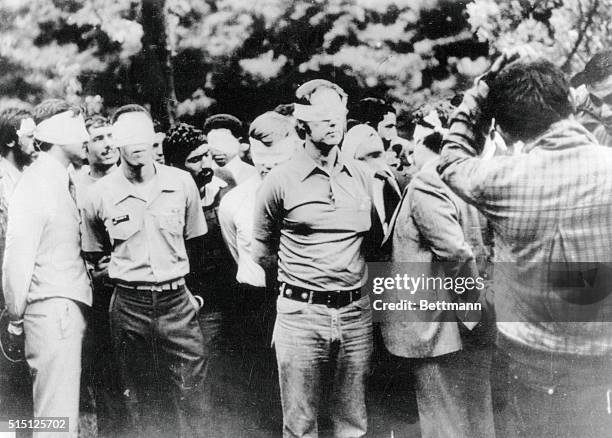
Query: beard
{"points": [[21, 158], [204, 177]]}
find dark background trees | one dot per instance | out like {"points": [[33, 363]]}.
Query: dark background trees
{"points": [[191, 58]]}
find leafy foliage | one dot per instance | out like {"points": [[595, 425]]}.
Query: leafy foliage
{"points": [[567, 32], [245, 57]]}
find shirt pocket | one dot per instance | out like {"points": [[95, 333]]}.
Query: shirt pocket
{"points": [[120, 232], [171, 222], [171, 225]]}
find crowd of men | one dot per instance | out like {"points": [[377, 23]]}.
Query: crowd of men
{"points": [[125, 268]]}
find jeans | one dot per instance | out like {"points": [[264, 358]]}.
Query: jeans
{"points": [[54, 331], [555, 395], [316, 345], [160, 348]]}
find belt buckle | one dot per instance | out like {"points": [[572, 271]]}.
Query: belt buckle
{"points": [[156, 288]]}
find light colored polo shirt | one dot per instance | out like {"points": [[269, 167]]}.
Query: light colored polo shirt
{"points": [[145, 230], [317, 221]]}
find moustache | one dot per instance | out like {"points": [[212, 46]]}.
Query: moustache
{"points": [[204, 177]]}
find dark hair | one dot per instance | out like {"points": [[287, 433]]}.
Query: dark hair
{"points": [[129, 108], [224, 121], [433, 142], [284, 109], [302, 128], [372, 111], [270, 127], [180, 141], [47, 109], [10, 121], [50, 107], [96, 121], [526, 98], [597, 69]]}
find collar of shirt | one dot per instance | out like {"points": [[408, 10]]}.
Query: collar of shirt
{"points": [[306, 166], [234, 164], [211, 189], [163, 182], [53, 168], [564, 134]]}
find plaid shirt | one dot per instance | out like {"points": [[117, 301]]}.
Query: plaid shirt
{"points": [[551, 211]]}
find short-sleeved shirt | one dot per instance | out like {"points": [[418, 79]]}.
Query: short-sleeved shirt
{"points": [[145, 230], [319, 221]]}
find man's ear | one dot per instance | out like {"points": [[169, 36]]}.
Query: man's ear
{"points": [[11, 144]]}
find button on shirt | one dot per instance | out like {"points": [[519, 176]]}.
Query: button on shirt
{"points": [[318, 222], [236, 213], [145, 227], [43, 248]]}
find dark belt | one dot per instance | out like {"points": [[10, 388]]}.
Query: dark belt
{"points": [[152, 287], [334, 299]]}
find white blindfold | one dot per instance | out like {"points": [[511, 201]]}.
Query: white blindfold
{"points": [[63, 128], [223, 140], [26, 127], [278, 153], [314, 113], [133, 128]]}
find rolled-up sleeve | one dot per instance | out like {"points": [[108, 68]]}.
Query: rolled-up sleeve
{"points": [[26, 223], [195, 223], [458, 166], [267, 219], [227, 223], [93, 233]]}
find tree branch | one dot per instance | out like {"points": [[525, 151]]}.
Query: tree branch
{"points": [[589, 20]]}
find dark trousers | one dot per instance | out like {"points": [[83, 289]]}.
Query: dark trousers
{"points": [[101, 372], [454, 394], [237, 335], [15, 392], [160, 349], [554, 395]]}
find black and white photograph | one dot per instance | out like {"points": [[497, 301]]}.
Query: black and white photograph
{"points": [[305, 219]]}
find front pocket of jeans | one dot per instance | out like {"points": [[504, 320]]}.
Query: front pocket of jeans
{"points": [[66, 322], [288, 306], [363, 303]]}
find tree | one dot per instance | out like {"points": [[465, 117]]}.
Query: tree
{"points": [[566, 32], [234, 55], [158, 77], [54, 48], [259, 52]]}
